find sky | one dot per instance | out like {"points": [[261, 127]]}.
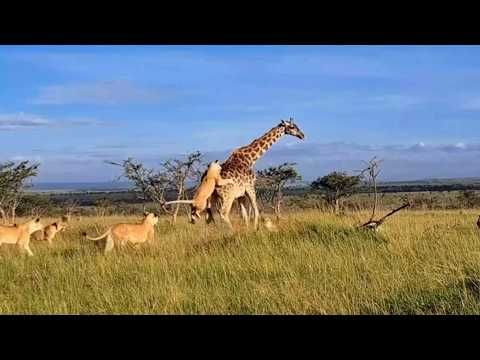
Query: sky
{"points": [[73, 107]]}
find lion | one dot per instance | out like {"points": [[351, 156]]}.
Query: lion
{"points": [[201, 199], [269, 225], [48, 232], [19, 234], [121, 234]]}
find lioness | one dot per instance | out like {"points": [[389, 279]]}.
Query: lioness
{"points": [[19, 234], [48, 232], [201, 198], [120, 234]]}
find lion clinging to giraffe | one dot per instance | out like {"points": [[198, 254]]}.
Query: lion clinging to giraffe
{"points": [[239, 168]]}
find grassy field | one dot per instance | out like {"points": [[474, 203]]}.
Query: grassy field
{"points": [[423, 262]]}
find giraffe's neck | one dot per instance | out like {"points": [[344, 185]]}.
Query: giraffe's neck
{"points": [[253, 152]]}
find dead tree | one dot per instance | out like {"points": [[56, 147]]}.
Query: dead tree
{"points": [[375, 224], [178, 172], [371, 173]]}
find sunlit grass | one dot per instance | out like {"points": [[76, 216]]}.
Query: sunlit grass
{"points": [[422, 262]]}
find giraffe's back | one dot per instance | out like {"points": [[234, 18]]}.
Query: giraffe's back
{"points": [[238, 170], [242, 175]]}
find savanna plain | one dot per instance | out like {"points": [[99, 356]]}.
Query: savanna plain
{"points": [[421, 262]]}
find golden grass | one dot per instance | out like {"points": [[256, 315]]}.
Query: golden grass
{"points": [[318, 263]]}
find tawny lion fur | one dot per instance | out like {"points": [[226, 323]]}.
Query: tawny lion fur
{"points": [[48, 232], [19, 234], [200, 200], [121, 234], [269, 225]]}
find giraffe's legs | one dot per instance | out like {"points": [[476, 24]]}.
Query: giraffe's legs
{"points": [[209, 213], [209, 217], [225, 210], [252, 196], [243, 203]]}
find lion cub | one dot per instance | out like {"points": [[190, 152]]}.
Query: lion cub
{"points": [[269, 225], [121, 234], [200, 200], [19, 234], [48, 232]]}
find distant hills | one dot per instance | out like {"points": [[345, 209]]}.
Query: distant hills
{"points": [[80, 186], [453, 183], [447, 181]]}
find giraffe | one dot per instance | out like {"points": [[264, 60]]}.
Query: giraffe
{"points": [[239, 168]]}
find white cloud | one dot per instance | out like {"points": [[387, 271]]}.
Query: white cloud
{"points": [[104, 92], [471, 104], [354, 102], [330, 65], [401, 161], [394, 101], [33, 158], [23, 121]]}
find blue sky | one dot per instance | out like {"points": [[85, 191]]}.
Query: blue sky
{"points": [[72, 107]]}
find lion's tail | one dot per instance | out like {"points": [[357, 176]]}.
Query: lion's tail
{"points": [[179, 202], [97, 238]]}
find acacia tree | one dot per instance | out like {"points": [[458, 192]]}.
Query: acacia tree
{"points": [[149, 184], [271, 182], [13, 181], [337, 185]]}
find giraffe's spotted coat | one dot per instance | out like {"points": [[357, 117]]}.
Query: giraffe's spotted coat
{"points": [[239, 168]]}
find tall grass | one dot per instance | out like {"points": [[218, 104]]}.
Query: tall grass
{"points": [[318, 263]]}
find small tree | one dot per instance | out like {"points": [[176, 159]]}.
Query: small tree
{"points": [[338, 185], [103, 207], [71, 206], [468, 199], [271, 182], [149, 185], [13, 181]]}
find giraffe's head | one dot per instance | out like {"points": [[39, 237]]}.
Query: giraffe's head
{"points": [[292, 129]]}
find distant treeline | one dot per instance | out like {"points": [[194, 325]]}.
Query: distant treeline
{"points": [[421, 188], [295, 191], [90, 198]]}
